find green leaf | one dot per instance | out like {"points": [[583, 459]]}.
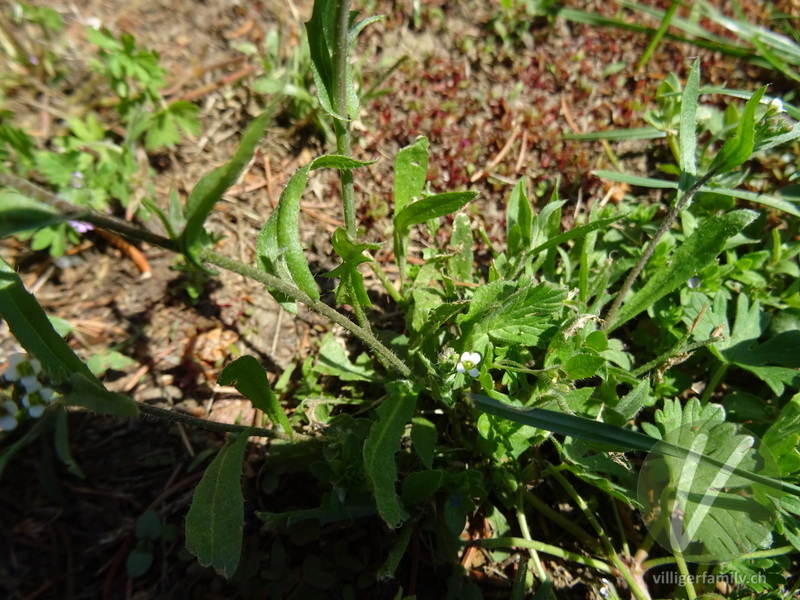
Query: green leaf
{"points": [[279, 250], [775, 361], [421, 485], [423, 437], [698, 250], [207, 192], [250, 380], [765, 199], [381, 446], [29, 324], [215, 522], [351, 288], [460, 264], [149, 525], [633, 133], [576, 233], [358, 26], [435, 318], [270, 258], [61, 442], [739, 148], [692, 505], [337, 161], [628, 406], [519, 220], [396, 554], [783, 436], [89, 393], [514, 312], [169, 124], [583, 365], [333, 360], [321, 42], [431, 207], [138, 562], [688, 130], [612, 437], [410, 173], [20, 213]]}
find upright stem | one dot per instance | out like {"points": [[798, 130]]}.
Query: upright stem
{"points": [[341, 127], [673, 214]]}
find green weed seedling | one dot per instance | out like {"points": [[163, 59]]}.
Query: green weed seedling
{"points": [[586, 367]]}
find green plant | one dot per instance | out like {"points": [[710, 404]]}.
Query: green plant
{"points": [[542, 374], [89, 164], [150, 529]]}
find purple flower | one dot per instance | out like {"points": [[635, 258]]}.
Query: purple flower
{"points": [[81, 226]]}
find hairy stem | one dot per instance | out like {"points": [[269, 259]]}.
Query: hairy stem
{"points": [[341, 127], [665, 225], [385, 355], [184, 419]]}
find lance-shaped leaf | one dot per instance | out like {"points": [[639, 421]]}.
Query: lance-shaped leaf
{"points": [[381, 446], [688, 130], [279, 249], [739, 148], [691, 256], [215, 522], [431, 207], [410, 173], [20, 213], [321, 29], [519, 221], [250, 379], [29, 324], [90, 393], [207, 192]]}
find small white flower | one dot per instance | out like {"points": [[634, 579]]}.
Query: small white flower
{"points": [[37, 401], [12, 372], [469, 363], [30, 383], [8, 415], [776, 106]]}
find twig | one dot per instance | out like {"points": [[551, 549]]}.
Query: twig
{"points": [[128, 250]]}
